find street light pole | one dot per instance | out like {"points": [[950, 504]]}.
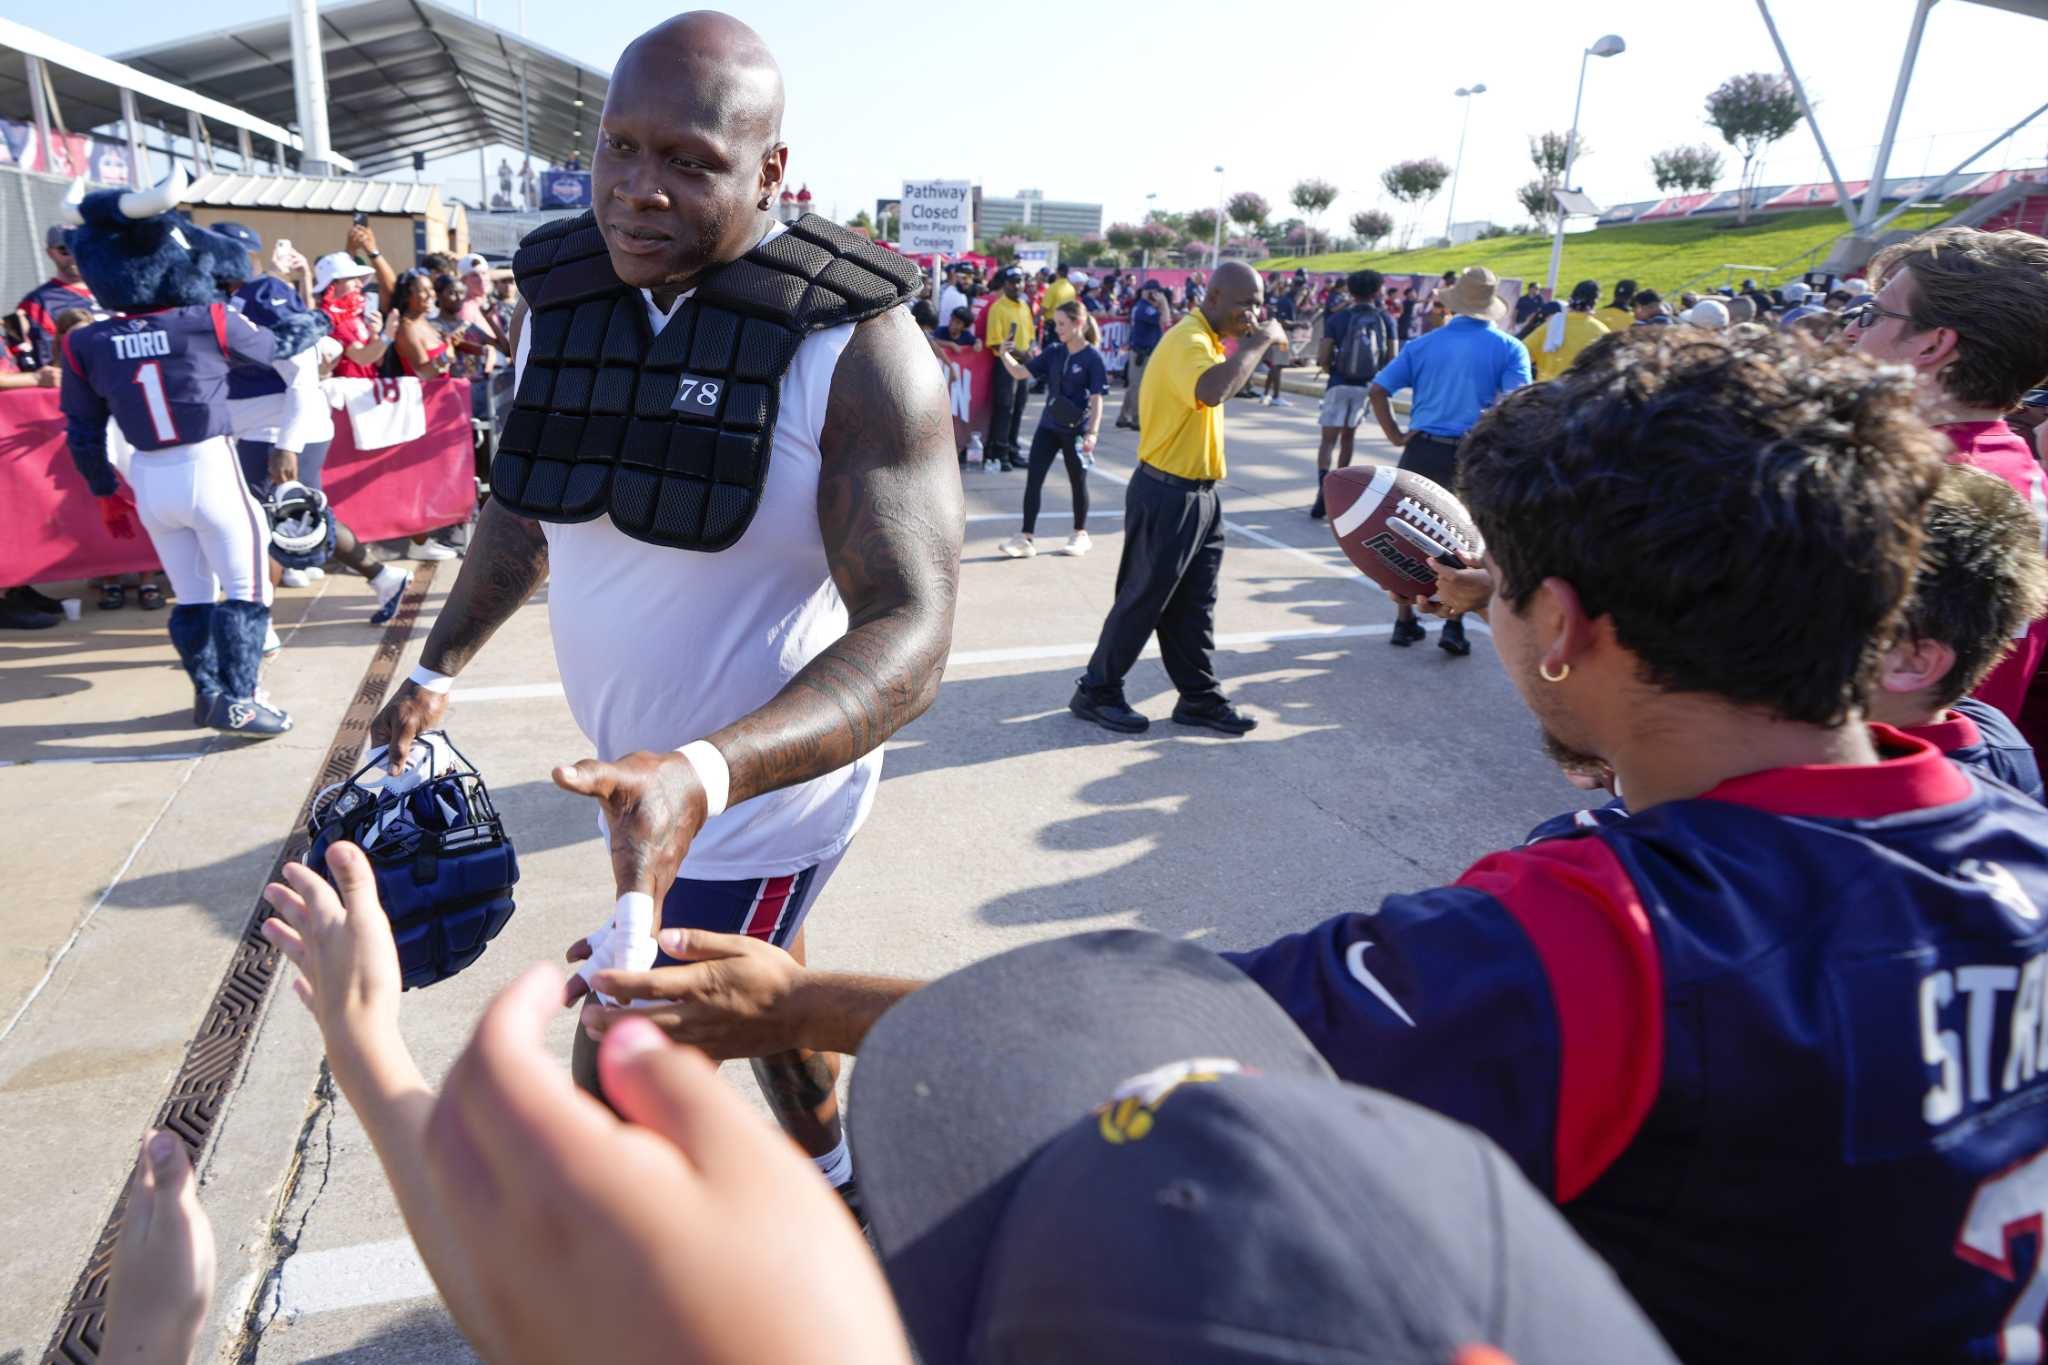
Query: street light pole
{"points": [[1216, 247], [1451, 213], [1606, 47]]}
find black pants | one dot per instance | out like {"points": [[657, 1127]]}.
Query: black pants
{"points": [[1006, 414], [1044, 443], [1165, 582], [1433, 457]]}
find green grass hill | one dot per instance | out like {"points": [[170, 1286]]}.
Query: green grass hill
{"points": [[1665, 256]]}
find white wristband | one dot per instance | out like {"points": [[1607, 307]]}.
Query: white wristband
{"points": [[427, 680], [712, 772]]}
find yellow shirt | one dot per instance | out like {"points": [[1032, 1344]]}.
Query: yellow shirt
{"points": [[1010, 320], [1178, 433], [1580, 331], [1057, 293], [1616, 319]]}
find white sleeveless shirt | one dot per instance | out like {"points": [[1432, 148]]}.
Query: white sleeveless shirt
{"points": [[657, 647]]}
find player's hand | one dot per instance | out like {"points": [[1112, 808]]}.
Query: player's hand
{"points": [[411, 710], [592, 1238], [733, 996], [48, 377], [341, 943], [114, 515], [284, 466], [162, 1277], [1462, 590], [653, 806]]}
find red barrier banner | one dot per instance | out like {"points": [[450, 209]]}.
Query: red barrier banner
{"points": [[50, 528]]}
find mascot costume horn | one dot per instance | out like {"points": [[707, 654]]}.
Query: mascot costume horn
{"points": [[159, 368]]}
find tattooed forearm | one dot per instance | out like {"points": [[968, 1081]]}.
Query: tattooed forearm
{"points": [[507, 560], [890, 509]]}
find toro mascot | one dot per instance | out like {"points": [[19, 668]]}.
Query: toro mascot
{"points": [[159, 367]]}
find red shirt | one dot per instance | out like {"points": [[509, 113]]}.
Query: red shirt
{"points": [[1997, 449]]}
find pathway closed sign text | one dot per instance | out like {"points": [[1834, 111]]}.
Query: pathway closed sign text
{"points": [[938, 215]]}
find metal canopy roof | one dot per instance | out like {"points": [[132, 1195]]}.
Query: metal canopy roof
{"points": [[311, 194], [2033, 9], [403, 76]]}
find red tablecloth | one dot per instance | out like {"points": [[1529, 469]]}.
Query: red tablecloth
{"points": [[50, 529]]}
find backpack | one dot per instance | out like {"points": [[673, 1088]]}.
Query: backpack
{"points": [[1364, 349]]}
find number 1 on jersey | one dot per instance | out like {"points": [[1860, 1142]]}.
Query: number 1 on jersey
{"points": [[150, 375]]}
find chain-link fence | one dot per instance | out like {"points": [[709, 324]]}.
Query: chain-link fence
{"points": [[29, 203]]}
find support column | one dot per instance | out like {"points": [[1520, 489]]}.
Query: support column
{"points": [[1873, 199], [40, 105], [131, 130], [309, 89]]}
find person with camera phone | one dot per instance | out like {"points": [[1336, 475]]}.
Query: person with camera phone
{"points": [[1076, 380]]}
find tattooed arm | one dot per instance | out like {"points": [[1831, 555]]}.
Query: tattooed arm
{"points": [[507, 561], [890, 509]]}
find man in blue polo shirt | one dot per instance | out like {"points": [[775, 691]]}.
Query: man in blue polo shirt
{"points": [[1456, 372], [1151, 315]]}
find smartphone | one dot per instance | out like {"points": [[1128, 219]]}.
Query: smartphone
{"points": [[2034, 398], [1427, 544], [359, 218]]}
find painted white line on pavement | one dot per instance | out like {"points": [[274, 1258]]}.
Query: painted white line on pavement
{"points": [[1341, 570], [78, 931], [360, 1276], [1079, 649], [103, 758], [1049, 514]]}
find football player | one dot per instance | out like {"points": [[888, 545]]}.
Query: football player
{"points": [[1775, 1042]]}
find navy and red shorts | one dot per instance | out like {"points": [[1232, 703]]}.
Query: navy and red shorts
{"points": [[768, 908]]}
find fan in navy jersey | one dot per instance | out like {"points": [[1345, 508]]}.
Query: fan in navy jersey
{"points": [[1778, 1042], [160, 368], [41, 305], [1981, 582]]}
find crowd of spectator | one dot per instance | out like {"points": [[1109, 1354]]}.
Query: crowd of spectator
{"points": [[446, 316]]}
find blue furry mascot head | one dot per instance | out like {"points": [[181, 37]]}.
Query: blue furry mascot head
{"points": [[138, 253]]}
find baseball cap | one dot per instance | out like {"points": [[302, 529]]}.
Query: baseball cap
{"points": [[337, 265], [1077, 277], [1794, 293], [244, 237], [56, 234], [1162, 1167], [473, 264], [1708, 312]]}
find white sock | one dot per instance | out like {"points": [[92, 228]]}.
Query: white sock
{"points": [[836, 1165]]}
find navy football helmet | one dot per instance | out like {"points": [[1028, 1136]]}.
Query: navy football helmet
{"points": [[301, 525], [444, 867]]}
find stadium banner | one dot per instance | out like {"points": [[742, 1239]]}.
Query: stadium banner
{"points": [[100, 160], [565, 189], [50, 528]]}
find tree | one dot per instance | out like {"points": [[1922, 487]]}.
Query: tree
{"points": [[1535, 198], [1249, 211], [1686, 169], [1751, 112], [1248, 248], [1158, 236], [1201, 225], [861, 220], [1312, 197], [1548, 153], [1372, 225], [1122, 236], [1414, 183]]}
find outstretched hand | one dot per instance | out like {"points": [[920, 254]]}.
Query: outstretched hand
{"points": [[162, 1276], [549, 1195], [1458, 590], [733, 996], [653, 807], [342, 945]]}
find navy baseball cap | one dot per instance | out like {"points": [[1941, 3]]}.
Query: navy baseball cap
{"points": [[244, 237], [56, 234], [1117, 1147]]}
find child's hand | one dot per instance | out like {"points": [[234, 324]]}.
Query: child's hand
{"points": [[342, 946], [162, 1276]]}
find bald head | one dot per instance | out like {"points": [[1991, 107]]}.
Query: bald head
{"points": [[716, 68], [690, 153], [1232, 303]]}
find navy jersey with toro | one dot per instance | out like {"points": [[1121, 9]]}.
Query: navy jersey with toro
{"points": [[1780, 1051], [163, 376]]}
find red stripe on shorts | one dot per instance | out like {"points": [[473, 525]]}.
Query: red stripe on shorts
{"points": [[768, 906]]}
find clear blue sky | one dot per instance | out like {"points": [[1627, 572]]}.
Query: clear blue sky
{"points": [[1155, 93]]}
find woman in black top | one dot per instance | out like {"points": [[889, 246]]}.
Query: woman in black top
{"points": [[1076, 380]]}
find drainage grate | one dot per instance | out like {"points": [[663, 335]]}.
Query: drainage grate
{"points": [[214, 1062]]}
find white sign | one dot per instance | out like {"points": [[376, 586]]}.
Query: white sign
{"points": [[1037, 256], [938, 215]]}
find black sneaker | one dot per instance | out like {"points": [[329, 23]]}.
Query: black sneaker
{"points": [[1110, 712], [26, 596], [1213, 714], [16, 616], [248, 718], [1453, 640], [1407, 633], [1316, 512]]}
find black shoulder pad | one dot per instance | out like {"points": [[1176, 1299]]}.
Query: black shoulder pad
{"points": [[541, 248], [817, 274]]}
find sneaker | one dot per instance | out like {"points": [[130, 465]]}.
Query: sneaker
{"points": [[113, 597], [1452, 640], [248, 717], [1316, 513], [1213, 713], [316, 573], [429, 549], [28, 597], [271, 644], [1110, 712], [150, 597], [15, 616], [1407, 633], [1077, 544], [294, 578], [389, 585], [1018, 547]]}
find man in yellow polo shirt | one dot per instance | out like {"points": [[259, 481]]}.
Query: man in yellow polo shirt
{"points": [[1008, 326], [1173, 520]]}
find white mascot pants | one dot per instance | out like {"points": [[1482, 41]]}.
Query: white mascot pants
{"points": [[211, 536]]}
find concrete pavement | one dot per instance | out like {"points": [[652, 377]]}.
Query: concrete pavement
{"points": [[1001, 819]]}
